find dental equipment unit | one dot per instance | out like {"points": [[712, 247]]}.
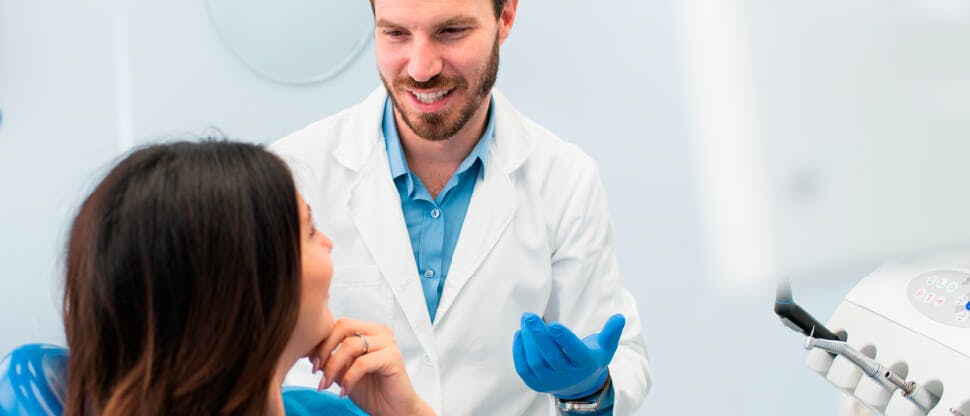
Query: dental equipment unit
{"points": [[906, 327]]}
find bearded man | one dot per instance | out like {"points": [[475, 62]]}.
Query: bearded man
{"points": [[480, 238]]}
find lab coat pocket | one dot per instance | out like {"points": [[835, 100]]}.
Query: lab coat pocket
{"points": [[361, 292]]}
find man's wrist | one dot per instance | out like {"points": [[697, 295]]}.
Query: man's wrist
{"points": [[591, 389], [587, 403]]}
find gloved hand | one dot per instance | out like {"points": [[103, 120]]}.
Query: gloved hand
{"points": [[552, 359]]}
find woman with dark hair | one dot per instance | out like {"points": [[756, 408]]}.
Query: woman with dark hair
{"points": [[196, 279]]}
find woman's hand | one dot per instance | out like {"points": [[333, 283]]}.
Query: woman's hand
{"points": [[363, 358]]}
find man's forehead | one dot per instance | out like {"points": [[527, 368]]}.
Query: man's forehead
{"points": [[418, 7]]}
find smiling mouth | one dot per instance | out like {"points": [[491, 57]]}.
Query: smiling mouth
{"points": [[430, 98]]}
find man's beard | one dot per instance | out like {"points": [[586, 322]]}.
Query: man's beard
{"points": [[435, 126]]}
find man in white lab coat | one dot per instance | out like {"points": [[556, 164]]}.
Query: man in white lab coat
{"points": [[482, 239]]}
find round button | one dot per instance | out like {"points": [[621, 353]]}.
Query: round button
{"points": [[429, 273], [929, 297], [942, 283], [962, 300], [963, 316], [435, 213], [952, 287], [932, 280], [939, 301], [967, 307], [920, 293]]}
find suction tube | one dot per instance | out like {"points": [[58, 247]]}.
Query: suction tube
{"points": [[794, 317]]}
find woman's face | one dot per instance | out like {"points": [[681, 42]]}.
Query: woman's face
{"points": [[315, 320]]}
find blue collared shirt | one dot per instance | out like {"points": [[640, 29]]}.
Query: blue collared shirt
{"points": [[434, 223]]}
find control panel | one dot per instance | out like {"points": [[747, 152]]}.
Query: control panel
{"points": [[942, 296]]}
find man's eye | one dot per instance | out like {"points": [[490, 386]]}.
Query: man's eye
{"points": [[394, 33], [453, 31]]}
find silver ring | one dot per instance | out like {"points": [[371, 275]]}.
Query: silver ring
{"points": [[363, 339]]}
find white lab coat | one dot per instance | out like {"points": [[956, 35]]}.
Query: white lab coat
{"points": [[537, 237]]}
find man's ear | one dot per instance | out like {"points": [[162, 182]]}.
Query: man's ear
{"points": [[506, 19]]}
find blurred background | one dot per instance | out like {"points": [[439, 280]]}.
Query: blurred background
{"points": [[740, 141]]}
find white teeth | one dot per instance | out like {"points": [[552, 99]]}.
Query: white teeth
{"points": [[430, 98]]}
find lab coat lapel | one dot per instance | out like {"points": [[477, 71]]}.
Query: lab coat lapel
{"points": [[489, 214], [375, 208], [492, 206]]}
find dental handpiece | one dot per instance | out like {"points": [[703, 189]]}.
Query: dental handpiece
{"points": [[919, 396], [869, 367]]}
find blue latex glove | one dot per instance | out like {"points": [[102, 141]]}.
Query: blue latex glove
{"points": [[552, 359]]}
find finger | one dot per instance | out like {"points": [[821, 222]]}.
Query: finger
{"points": [[575, 349], [312, 358], [548, 348], [609, 337], [532, 354], [343, 328], [521, 364], [383, 363], [350, 349]]}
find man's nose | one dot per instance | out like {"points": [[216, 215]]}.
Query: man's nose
{"points": [[425, 61]]}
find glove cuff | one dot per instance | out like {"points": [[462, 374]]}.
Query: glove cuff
{"points": [[589, 387]]}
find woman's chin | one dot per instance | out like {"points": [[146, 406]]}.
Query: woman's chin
{"points": [[311, 340]]}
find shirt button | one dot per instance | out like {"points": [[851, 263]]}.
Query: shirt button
{"points": [[429, 273], [435, 213]]}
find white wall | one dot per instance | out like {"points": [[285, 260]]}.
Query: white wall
{"points": [[80, 82], [57, 94], [828, 132]]}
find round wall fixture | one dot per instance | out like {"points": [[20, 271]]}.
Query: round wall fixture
{"points": [[294, 41]]}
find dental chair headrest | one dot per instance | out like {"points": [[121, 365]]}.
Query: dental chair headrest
{"points": [[33, 380]]}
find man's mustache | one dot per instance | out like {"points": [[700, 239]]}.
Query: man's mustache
{"points": [[436, 82]]}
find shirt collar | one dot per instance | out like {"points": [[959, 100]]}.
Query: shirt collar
{"points": [[395, 153]]}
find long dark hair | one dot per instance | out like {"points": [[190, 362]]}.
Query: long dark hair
{"points": [[183, 282]]}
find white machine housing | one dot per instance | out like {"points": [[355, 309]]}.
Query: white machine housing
{"points": [[913, 319]]}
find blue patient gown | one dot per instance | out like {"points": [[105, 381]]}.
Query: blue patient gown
{"points": [[33, 382], [301, 401]]}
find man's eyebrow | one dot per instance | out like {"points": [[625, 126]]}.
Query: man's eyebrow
{"points": [[454, 21], [459, 21], [385, 23]]}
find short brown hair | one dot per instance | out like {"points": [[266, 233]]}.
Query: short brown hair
{"points": [[497, 4]]}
